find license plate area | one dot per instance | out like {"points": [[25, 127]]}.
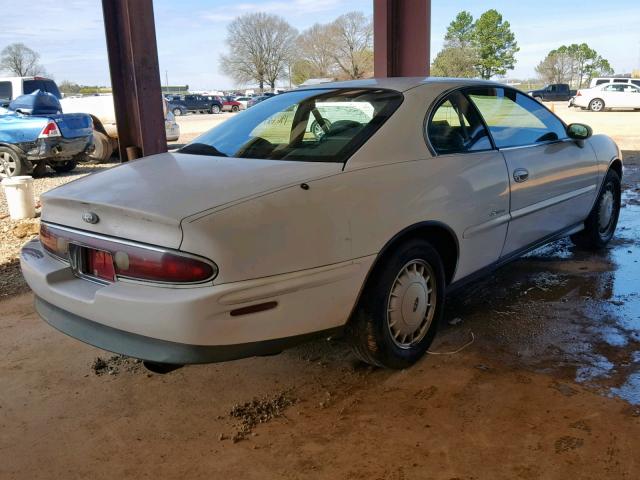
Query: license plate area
{"points": [[92, 263]]}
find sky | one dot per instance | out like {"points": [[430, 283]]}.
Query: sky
{"points": [[69, 35]]}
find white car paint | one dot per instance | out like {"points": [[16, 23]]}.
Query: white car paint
{"points": [[302, 235], [102, 107], [614, 95]]}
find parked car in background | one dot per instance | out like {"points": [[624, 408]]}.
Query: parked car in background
{"points": [[232, 106], [255, 100], [243, 100], [195, 103], [13, 87], [35, 133], [259, 234], [608, 95], [553, 92], [105, 134], [602, 80]]}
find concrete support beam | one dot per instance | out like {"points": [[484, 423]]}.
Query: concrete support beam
{"points": [[135, 76], [402, 37]]}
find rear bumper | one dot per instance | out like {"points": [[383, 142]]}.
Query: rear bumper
{"points": [[196, 324], [56, 149], [153, 349]]}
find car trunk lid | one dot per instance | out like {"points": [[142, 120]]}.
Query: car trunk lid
{"points": [[145, 200]]}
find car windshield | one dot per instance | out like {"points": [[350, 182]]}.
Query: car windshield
{"points": [[315, 125]]}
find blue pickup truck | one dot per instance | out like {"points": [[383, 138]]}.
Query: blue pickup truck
{"points": [[35, 133]]}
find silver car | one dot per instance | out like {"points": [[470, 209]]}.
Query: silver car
{"points": [[265, 231]]}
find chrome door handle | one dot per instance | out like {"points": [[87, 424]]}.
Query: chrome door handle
{"points": [[520, 175]]}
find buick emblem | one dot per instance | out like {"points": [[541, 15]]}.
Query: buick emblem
{"points": [[90, 217]]}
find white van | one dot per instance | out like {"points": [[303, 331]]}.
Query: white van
{"points": [[12, 87], [602, 80]]}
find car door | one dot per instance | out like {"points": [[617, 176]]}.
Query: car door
{"points": [[631, 96], [613, 95], [475, 177], [553, 179]]}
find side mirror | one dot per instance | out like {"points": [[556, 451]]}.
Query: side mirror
{"points": [[579, 131]]}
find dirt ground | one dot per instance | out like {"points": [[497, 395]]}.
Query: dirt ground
{"points": [[548, 389]]}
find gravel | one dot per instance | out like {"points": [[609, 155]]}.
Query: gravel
{"points": [[15, 233]]}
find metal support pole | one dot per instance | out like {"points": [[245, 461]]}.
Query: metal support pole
{"points": [[135, 76], [402, 37]]}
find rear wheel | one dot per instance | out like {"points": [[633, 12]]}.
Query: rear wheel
{"points": [[63, 167], [235, 108], [596, 105], [104, 147], [214, 109], [10, 163], [540, 99], [397, 316], [177, 112], [601, 222]]}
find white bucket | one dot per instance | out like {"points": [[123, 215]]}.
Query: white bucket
{"points": [[20, 197]]}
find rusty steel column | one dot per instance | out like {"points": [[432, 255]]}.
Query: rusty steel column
{"points": [[135, 76], [401, 37]]}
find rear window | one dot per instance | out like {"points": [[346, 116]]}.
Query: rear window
{"points": [[5, 91], [305, 125], [44, 85]]}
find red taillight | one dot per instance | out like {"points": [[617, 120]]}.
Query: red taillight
{"points": [[50, 130], [578, 93], [109, 259], [159, 266], [98, 264]]}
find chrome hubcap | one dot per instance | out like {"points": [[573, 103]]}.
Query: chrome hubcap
{"points": [[606, 210], [411, 304], [7, 165], [597, 105]]}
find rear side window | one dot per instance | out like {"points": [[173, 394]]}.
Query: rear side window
{"points": [[514, 119], [44, 85], [636, 82], [623, 80], [456, 127], [600, 82], [304, 125], [6, 91]]}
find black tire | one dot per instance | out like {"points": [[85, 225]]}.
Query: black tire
{"points": [[178, 112], [11, 164], [317, 130], [235, 108], [375, 337], [600, 225], [596, 105], [214, 109], [103, 147], [64, 167]]}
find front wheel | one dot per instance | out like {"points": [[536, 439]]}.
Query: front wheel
{"points": [[235, 108], [177, 112], [397, 316], [64, 167], [601, 222], [596, 105], [214, 109], [103, 147]]}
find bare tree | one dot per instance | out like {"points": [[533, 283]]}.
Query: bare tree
{"points": [[20, 60], [353, 44], [315, 47], [261, 46]]}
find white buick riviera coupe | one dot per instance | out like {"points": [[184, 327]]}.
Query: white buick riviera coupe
{"points": [[351, 206]]}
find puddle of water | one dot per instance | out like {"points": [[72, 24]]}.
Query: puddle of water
{"points": [[629, 390]]}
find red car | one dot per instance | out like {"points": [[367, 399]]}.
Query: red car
{"points": [[232, 106]]}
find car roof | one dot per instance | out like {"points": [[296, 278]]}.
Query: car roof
{"points": [[402, 84]]}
